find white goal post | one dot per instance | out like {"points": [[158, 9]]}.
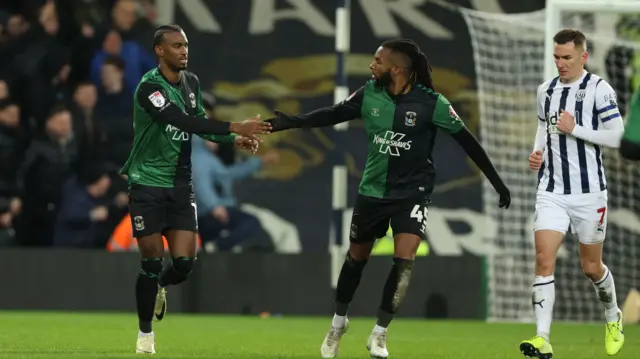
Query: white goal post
{"points": [[513, 54]]}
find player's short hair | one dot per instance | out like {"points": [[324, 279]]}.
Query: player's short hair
{"points": [[158, 35], [419, 67], [571, 35]]}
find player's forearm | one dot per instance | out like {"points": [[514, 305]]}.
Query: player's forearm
{"points": [[478, 155], [605, 137], [172, 115], [539, 143], [327, 116], [219, 138]]}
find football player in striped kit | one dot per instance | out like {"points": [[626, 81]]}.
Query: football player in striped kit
{"points": [[577, 115]]}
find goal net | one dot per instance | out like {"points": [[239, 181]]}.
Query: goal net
{"points": [[510, 61]]}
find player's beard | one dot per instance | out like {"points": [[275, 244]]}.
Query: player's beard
{"points": [[177, 67], [383, 80]]}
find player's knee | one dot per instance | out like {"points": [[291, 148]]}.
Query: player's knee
{"points": [[545, 263], [151, 267], [183, 265], [356, 263], [594, 269], [406, 246]]}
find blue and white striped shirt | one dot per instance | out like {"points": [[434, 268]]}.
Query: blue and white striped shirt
{"points": [[573, 163]]}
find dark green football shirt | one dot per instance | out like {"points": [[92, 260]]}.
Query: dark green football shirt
{"points": [[401, 131], [161, 151]]}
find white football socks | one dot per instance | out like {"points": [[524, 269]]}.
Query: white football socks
{"points": [[606, 293], [379, 330], [544, 296], [339, 321]]}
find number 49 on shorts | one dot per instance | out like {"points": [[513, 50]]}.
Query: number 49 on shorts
{"points": [[420, 214]]}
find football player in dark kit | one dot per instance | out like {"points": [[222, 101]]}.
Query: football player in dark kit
{"points": [[402, 114], [168, 109]]}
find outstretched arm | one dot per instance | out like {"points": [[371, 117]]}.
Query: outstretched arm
{"points": [[448, 120], [346, 110]]}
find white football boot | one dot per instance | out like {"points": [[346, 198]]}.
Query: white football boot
{"points": [[146, 343], [331, 344]]}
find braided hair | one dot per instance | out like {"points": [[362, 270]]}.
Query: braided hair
{"points": [[419, 67]]}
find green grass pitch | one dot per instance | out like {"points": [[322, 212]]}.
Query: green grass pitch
{"points": [[44, 335]]}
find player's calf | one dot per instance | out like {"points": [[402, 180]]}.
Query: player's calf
{"points": [[146, 290], [395, 289], [393, 294], [547, 242], [601, 278], [348, 282], [605, 289]]}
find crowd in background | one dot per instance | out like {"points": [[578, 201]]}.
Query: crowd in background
{"points": [[68, 70]]}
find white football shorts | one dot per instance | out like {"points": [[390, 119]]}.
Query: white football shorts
{"points": [[584, 213]]}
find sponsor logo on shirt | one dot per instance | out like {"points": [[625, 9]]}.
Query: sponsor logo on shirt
{"points": [[391, 143]]}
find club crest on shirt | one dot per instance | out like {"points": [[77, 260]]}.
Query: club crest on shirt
{"points": [[410, 118], [580, 94]]}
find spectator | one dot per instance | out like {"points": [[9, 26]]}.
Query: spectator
{"points": [[114, 111], [85, 98], [47, 50], [15, 40], [127, 22], [83, 210], [113, 100], [219, 218], [11, 150], [89, 136], [49, 161], [45, 66], [7, 234], [137, 60], [113, 116]]}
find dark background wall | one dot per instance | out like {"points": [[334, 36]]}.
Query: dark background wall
{"points": [[234, 284]]}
